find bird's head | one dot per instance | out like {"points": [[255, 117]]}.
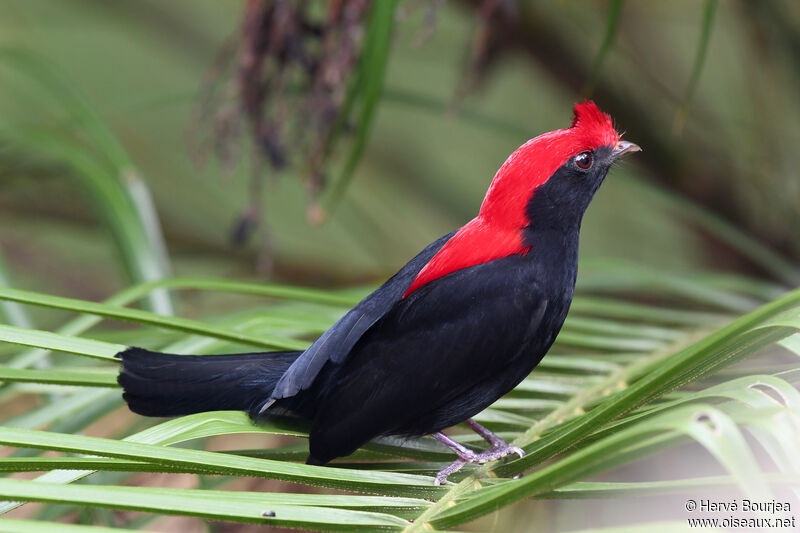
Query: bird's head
{"points": [[550, 180], [545, 185]]}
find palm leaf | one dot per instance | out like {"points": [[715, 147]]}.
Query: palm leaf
{"points": [[611, 392]]}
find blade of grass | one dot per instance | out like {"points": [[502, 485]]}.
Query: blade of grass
{"points": [[371, 74], [262, 510], [121, 197], [147, 317], [709, 13], [14, 313], [62, 343], [379, 482], [60, 377], [612, 21]]}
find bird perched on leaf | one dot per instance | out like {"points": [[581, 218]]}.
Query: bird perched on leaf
{"points": [[455, 329]]}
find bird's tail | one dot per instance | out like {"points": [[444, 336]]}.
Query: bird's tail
{"points": [[160, 384]]}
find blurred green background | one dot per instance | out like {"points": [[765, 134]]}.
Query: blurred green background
{"points": [[140, 66]]}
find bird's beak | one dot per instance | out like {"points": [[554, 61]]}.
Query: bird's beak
{"points": [[624, 147]]}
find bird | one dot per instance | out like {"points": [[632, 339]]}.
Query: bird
{"points": [[456, 328]]}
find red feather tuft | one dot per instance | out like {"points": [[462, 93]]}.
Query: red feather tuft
{"points": [[497, 230]]}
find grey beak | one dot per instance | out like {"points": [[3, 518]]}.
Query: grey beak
{"points": [[624, 147]]}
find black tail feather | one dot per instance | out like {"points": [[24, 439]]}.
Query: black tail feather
{"points": [[160, 384]]}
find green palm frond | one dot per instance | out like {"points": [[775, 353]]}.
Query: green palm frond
{"points": [[629, 376]]}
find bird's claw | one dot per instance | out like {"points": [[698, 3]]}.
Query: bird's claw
{"points": [[453, 467], [494, 453], [516, 450]]}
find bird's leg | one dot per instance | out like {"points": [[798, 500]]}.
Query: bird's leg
{"points": [[498, 449], [465, 455], [453, 467], [487, 435], [463, 452], [496, 443]]}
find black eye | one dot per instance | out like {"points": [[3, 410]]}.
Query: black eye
{"points": [[584, 160]]}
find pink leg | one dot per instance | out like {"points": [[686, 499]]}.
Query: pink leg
{"points": [[498, 449]]}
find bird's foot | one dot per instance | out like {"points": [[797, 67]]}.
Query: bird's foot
{"points": [[499, 450], [452, 468]]}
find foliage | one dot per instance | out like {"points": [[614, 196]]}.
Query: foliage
{"points": [[606, 396]]}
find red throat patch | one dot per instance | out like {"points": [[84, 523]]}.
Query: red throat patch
{"points": [[497, 230]]}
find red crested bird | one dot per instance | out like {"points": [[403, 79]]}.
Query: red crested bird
{"points": [[455, 329]]}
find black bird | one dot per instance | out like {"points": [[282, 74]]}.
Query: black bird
{"points": [[455, 329]]}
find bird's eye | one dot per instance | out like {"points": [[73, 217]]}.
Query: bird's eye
{"points": [[584, 160]]}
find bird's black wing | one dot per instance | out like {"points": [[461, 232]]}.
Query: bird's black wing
{"points": [[336, 343], [441, 355]]}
